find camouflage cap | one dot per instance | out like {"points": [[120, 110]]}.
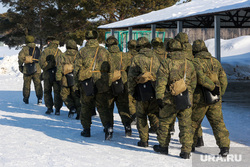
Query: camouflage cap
{"points": [[199, 45], [174, 45], [29, 39], [143, 42], [132, 44], [182, 37], [91, 34], [71, 44], [157, 42], [111, 40]]}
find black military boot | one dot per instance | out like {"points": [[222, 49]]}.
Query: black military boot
{"points": [[128, 130], [71, 113], [26, 100], [85, 132], [185, 155], [108, 132], [162, 150], [200, 142], [39, 101], [57, 112], [193, 149], [224, 151], [142, 143], [49, 111]]}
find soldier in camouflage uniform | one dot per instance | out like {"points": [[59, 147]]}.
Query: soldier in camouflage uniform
{"points": [[24, 67], [161, 54], [120, 62], [187, 47], [132, 102], [64, 69], [48, 62], [94, 61], [145, 62], [205, 66], [174, 69]]}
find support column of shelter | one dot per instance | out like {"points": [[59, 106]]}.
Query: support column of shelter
{"points": [[112, 32], [153, 31], [179, 26], [217, 37], [130, 33]]}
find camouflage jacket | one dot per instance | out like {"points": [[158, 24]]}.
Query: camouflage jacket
{"points": [[204, 63], [140, 64], [84, 64], [172, 70], [117, 63], [160, 53], [21, 58], [67, 57], [50, 57]]}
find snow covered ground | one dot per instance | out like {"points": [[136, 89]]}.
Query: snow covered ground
{"points": [[29, 138]]}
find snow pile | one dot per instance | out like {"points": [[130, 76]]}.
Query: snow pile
{"points": [[235, 55]]}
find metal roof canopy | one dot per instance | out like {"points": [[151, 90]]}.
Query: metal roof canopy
{"points": [[235, 15]]}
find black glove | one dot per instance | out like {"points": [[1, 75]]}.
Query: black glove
{"points": [[216, 91], [160, 103]]}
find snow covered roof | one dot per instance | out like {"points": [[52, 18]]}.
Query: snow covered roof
{"points": [[195, 14]]}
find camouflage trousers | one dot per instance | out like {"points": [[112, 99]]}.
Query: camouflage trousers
{"points": [[70, 99], [215, 118], [167, 117], [88, 103], [132, 104], [143, 109], [122, 103], [48, 85], [37, 83]]}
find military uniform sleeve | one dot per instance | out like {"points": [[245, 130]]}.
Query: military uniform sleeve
{"points": [[202, 78], [193, 79], [77, 66], [133, 72], [42, 61], [162, 80], [59, 69], [21, 59], [223, 79]]}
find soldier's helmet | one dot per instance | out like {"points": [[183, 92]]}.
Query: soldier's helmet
{"points": [[157, 42], [131, 44], [182, 37], [142, 42], [29, 39], [111, 40], [91, 34], [71, 44], [198, 46], [174, 45]]}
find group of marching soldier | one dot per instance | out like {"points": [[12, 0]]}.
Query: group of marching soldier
{"points": [[153, 81]]}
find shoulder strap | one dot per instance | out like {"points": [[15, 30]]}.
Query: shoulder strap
{"points": [[94, 59], [185, 74], [151, 64]]}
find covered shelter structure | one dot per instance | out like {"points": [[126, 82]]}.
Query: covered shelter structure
{"points": [[195, 14]]}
